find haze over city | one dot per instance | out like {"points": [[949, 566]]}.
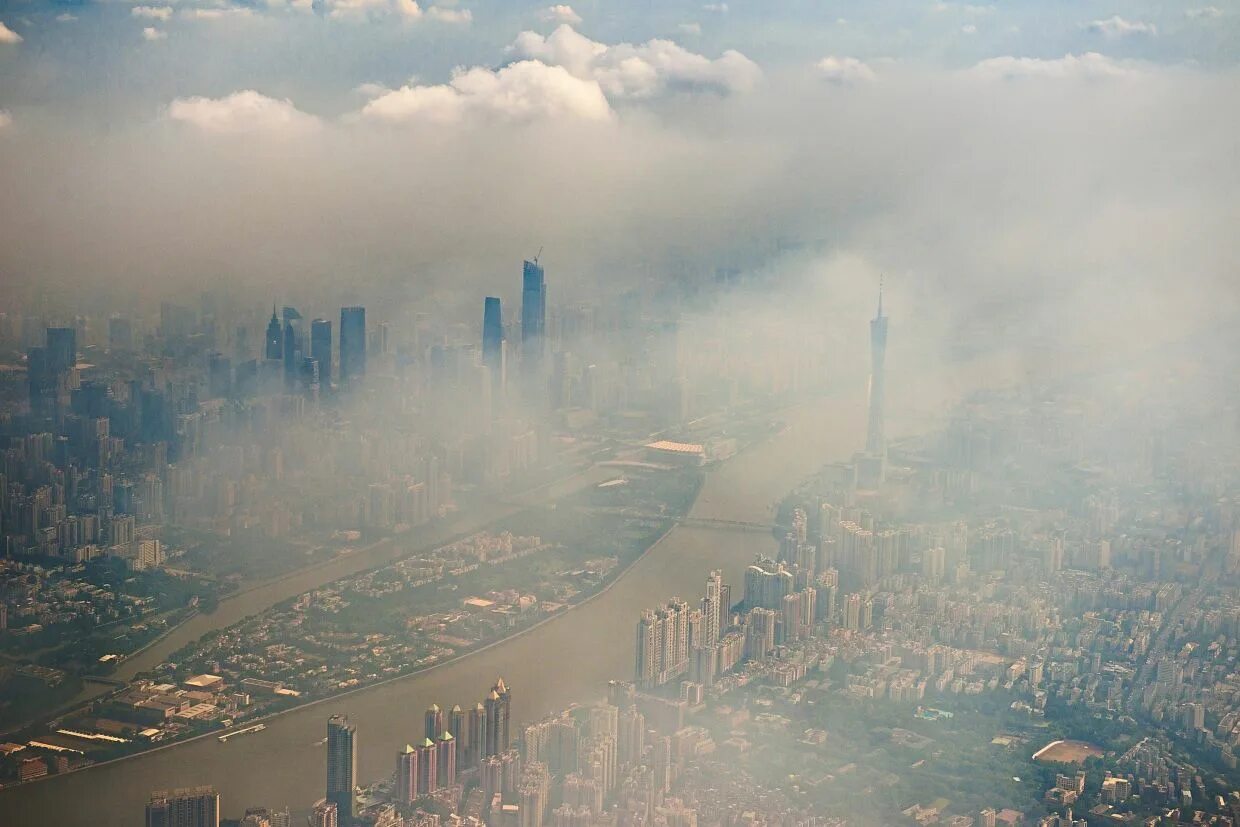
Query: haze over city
{"points": [[488, 414]]}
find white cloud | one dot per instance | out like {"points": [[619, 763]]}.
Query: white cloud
{"points": [[1116, 26], [631, 71], [524, 91], [242, 112], [65, 17], [6, 120], [462, 17], [152, 12], [7, 35], [1090, 65], [963, 8], [690, 28], [1204, 13], [228, 13], [844, 70], [152, 33], [716, 8], [294, 5], [969, 28], [370, 90], [373, 9], [560, 13]]}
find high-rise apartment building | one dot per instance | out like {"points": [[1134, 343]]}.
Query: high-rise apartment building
{"points": [[475, 750], [406, 775], [498, 722], [193, 807], [766, 585], [352, 345], [341, 766], [434, 721], [324, 814]]}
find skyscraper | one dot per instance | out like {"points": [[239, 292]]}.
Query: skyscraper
{"points": [[456, 725], [406, 775], [321, 349], [498, 704], [290, 354], [341, 766], [446, 758], [476, 750], [275, 338], [428, 764], [493, 340], [61, 349], [194, 807], [712, 610], [533, 319], [352, 345], [434, 721]]}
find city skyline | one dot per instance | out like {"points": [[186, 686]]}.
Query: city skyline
{"points": [[462, 413]]}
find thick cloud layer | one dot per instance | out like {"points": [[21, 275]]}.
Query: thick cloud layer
{"points": [[1055, 197]]}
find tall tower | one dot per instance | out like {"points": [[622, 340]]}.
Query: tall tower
{"points": [[341, 766], [875, 438], [352, 345], [871, 464], [533, 320]]}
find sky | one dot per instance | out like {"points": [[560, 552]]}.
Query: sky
{"points": [[1066, 166]]}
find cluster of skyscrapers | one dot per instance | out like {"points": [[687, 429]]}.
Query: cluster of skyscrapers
{"points": [[453, 742], [305, 357], [676, 640]]}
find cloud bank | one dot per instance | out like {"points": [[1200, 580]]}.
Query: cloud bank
{"points": [[638, 71]]}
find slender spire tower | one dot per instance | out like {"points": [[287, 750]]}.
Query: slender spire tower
{"points": [[876, 439]]}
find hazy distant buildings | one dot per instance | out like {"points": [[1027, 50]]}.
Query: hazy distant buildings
{"points": [[193, 807], [274, 350], [341, 766], [352, 345], [321, 349]]}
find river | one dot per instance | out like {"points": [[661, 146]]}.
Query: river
{"points": [[569, 658]]}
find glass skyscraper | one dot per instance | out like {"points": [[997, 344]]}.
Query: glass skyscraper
{"points": [[352, 345], [533, 317], [341, 766]]}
